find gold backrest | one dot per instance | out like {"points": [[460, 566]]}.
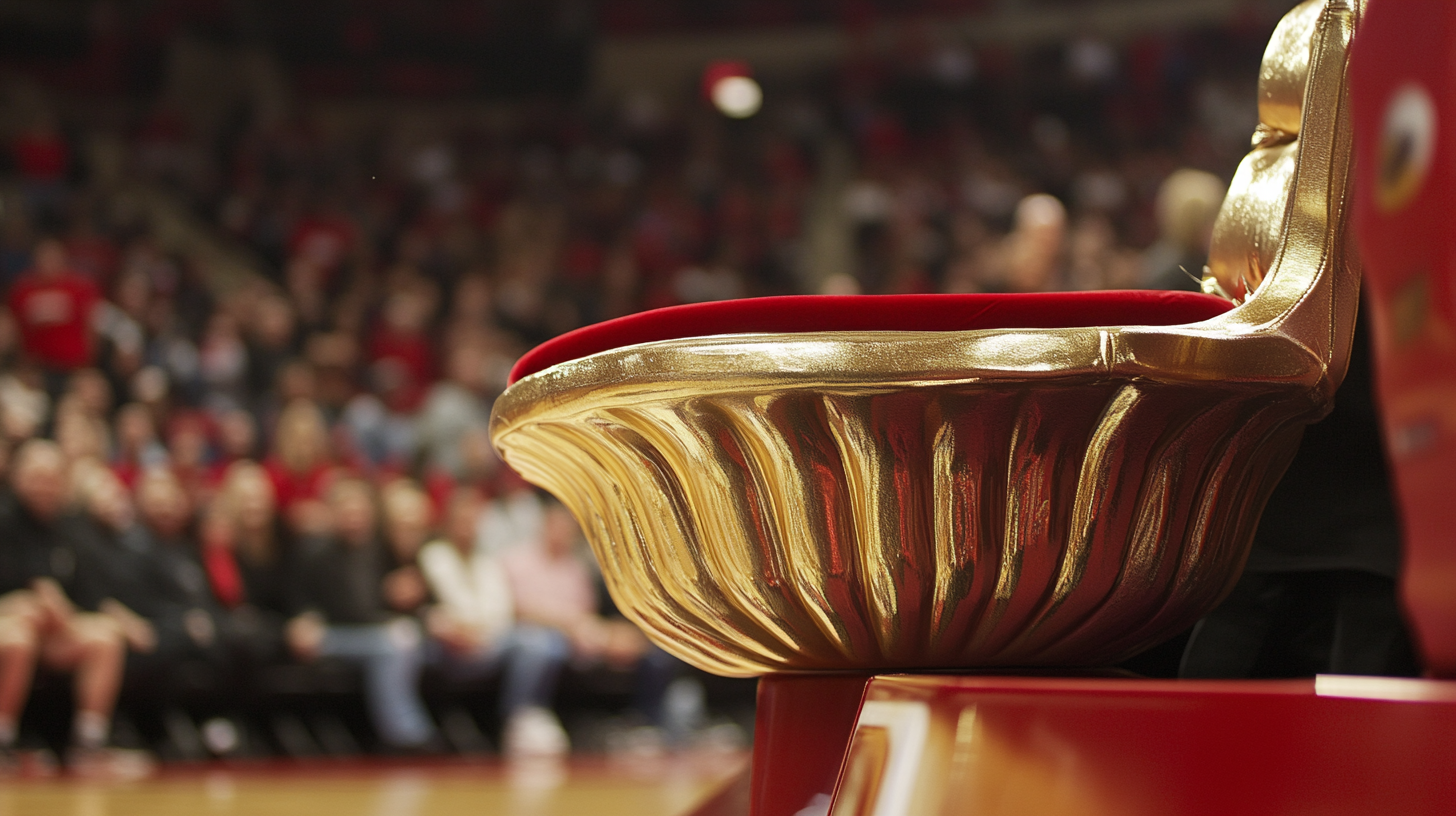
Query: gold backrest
{"points": [[1281, 237]]}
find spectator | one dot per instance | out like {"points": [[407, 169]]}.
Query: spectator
{"points": [[407, 520], [79, 434], [53, 307], [243, 556], [1033, 253], [480, 469], [515, 517], [1188, 203], [474, 627], [553, 587], [223, 362], [342, 614], [237, 439], [189, 451], [452, 408], [92, 392], [300, 466], [38, 561], [1319, 593], [180, 602], [273, 340], [401, 357], [114, 548], [137, 447]]}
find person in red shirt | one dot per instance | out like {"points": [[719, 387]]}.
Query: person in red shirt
{"points": [[53, 305], [401, 356], [324, 239]]}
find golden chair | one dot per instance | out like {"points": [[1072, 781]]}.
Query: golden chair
{"points": [[769, 500]]}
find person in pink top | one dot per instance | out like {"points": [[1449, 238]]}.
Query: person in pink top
{"points": [[551, 584], [554, 587]]}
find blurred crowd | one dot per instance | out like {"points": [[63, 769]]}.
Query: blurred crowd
{"points": [[232, 476]]}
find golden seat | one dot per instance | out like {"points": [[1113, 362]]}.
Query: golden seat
{"points": [[783, 501]]}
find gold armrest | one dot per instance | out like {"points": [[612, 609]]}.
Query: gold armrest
{"points": [[881, 500]]}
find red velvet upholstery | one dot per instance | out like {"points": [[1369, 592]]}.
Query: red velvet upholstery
{"points": [[808, 313]]}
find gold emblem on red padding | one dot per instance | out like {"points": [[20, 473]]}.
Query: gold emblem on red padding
{"points": [[1407, 146]]}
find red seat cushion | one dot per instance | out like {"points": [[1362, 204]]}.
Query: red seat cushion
{"points": [[813, 313]]}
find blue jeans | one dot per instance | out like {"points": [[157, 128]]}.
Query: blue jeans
{"points": [[392, 656], [655, 673], [531, 658]]}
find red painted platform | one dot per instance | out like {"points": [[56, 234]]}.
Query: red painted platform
{"points": [[1000, 745]]}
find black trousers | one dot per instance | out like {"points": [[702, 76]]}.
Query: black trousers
{"points": [[1298, 624]]}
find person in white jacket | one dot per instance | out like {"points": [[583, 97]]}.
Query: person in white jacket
{"points": [[473, 621]]}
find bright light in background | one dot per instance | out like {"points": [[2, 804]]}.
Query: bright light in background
{"points": [[729, 85], [737, 96]]}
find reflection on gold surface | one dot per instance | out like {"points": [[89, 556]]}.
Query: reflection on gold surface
{"points": [[863, 771], [874, 500]]}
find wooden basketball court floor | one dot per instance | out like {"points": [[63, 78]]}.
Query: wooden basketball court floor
{"points": [[581, 786]]}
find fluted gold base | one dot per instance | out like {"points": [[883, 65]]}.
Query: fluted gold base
{"points": [[939, 527]]}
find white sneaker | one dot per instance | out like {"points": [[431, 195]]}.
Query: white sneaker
{"points": [[535, 732]]}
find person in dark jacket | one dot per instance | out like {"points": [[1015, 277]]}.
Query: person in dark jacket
{"points": [[245, 558], [42, 579], [1319, 592], [342, 613], [178, 600]]}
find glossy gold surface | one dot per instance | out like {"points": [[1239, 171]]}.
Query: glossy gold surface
{"points": [[877, 500]]}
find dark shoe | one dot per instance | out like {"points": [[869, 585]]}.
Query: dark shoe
{"points": [[433, 747]]}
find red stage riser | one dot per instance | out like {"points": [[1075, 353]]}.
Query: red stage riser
{"points": [[991, 745]]}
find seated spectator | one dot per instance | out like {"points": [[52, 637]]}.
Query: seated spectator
{"points": [[552, 586], [338, 592], [91, 391], [473, 625], [153, 588], [189, 449], [243, 556], [137, 447], [1034, 249], [1188, 202], [179, 601], [407, 519], [223, 362], [515, 517], [112, 548], [480, 468], [453, 407], [40, 624], [237, 440], [53, 306], [401, 356], [301, 466], [80, 434]]}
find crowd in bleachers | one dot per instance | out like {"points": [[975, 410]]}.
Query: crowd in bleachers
{"points": [[231, 483]]}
